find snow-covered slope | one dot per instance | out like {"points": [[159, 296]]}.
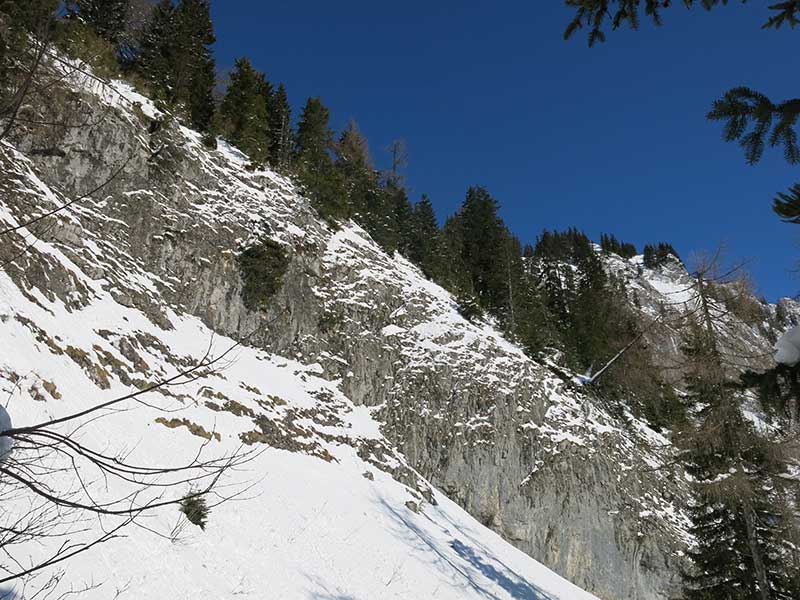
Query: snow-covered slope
{"points": [[398, 450], [138, 282], [321, 523]]}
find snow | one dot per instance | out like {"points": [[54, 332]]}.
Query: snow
{"points": [[310, 524], [788, 347], [308, 528], [327, 521]]}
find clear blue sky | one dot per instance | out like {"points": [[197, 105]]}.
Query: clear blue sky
{"points": [[610, 139]]}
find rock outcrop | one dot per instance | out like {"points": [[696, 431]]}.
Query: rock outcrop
{"points": [[584, 487]]}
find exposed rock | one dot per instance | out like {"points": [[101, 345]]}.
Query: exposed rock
{"points": [[542, 463]]}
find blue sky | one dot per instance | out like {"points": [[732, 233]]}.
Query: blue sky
{"points": [[609, 139]]}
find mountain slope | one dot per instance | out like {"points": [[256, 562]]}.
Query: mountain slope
{"points": [[358, 381]]}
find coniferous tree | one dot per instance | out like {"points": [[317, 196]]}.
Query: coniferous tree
{"points": [[484, 236], [456, 276], [314, 162], [194, 67], [360, 182], [156, 53], [609, 243], [175, 56], [749, 117], [659, 254], [243, 112], [424, 247], [743, 550], [26, 29], [399, 216], [280, 125], [107, 18]]}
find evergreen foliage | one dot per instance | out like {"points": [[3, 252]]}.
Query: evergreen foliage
{"points": [[589, 309], [175, 57], [658, 254], [742, 546], [398, 218], [243, 112], [787, 206], [773, 123], [262, 268], [107, 18], [196, 510], [280, 127], [424, 248], [19, 19], [483, 249], [597, 14], [609, 243], [314, 164]]}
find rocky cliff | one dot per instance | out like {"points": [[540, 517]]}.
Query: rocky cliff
{"points": [[131, 279]]}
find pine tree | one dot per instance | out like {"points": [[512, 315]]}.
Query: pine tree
{"points": [[741, 538], [175, 56], [243, 112], [314, 161], [194, 67], [280, 125], [108, 18], [483, 248], [424, 247], [360, 187], [157, 48]]}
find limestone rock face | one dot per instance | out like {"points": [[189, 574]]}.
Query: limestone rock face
{"points": [[547, 465]]}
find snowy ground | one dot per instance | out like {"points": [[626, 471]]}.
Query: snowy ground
{"points": [[319, 520], [307, 529]]}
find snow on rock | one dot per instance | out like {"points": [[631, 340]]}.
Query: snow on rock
{"points": [[788, 347], [332, 508]]}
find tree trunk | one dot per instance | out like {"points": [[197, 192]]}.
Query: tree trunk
{"points": [[755, 551]]}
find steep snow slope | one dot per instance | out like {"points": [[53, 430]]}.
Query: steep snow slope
{"points": [[358, 365], [312, 525], [84, 318]]}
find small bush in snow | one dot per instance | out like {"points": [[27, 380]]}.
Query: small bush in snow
{"points": [[196, 510]]}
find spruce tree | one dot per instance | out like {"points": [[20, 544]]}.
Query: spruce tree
{"points": [[455, 277], [194, 67], [107, 18], [399, 216], [243, 112], [175, 56], [314, 162], [483, 251], [424, 247], [280, 125], [742, 549], [157, 49], [749, 116]]}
